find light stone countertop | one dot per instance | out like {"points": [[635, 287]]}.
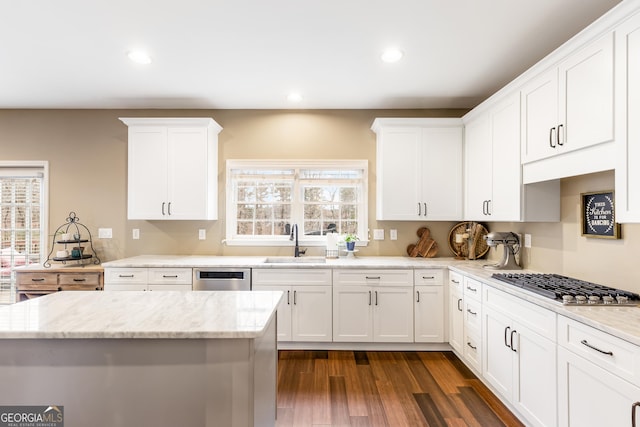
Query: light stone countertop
{"points": [[133, 314]]}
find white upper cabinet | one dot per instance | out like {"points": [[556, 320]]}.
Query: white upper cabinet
{"points": [[493, 181], [173, 168], [419, 169], [570, 106], [627, 176]]}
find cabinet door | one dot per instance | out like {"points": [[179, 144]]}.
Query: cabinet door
{"points": [[283, 314], [478, 166], [147, 172], [392, 314], [456, 319], [591, 396], [188, 173], [311, 313], [586, 96], [441, 171], [352, 314], [540, 117], [535, 380], [505, 204], [429, 314], [498, 355], [627, 83], [398, 188]]}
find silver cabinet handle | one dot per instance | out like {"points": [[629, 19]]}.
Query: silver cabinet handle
{"points": [[472, 346], [369, 297], [455, 281], [513, 348], [489, 207], [169, 208], [428, 278], [376, 292], [459, 302], [165, 276], [124, 276], [288, 293], [425, 209], [294, 297], [372, 277], [506, 332], [472, 312], [633, 413], [419, 211], [418, 296], [551, 144], [163, 203], [472, 289], [586, 343]]}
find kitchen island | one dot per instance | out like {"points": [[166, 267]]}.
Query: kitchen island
{"points": [[143, 358]]}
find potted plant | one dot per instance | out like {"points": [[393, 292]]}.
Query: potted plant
{"points": [[350, 241]]}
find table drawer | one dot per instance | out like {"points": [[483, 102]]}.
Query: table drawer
{"points": [[170, 276], [373, 277], [79, 281], [473, 315], [37, 281], [472, 288]]}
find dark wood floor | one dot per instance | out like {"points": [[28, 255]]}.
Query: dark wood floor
{"points": [[357, 388]]}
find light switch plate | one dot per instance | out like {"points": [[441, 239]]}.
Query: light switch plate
{"points": [[378, 234], [393, 234], [135, 233], [202, 234], [527, 240], [105, 233]]}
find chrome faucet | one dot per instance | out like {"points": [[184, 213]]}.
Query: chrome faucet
{"points": [[294, 235]]}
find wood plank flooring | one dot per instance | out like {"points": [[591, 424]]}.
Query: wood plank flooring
{"points": [[383, 388]]}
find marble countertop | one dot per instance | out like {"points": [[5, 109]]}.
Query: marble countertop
{"points": [[131, 314], [198, 261]]}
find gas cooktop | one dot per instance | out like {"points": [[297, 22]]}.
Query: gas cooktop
{"points": [[569, 291]]}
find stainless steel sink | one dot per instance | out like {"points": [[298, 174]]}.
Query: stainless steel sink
{"points": [[295, 260]]}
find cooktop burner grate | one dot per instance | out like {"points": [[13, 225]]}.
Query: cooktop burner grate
{"points": [[567, 290]]}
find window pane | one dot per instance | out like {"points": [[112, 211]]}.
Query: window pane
{"points": [[246, 211], [245, 228]]}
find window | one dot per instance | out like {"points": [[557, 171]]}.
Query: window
{"points": [[266, 197], [22, 221]]}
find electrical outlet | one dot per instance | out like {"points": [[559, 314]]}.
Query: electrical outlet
{"points": [[135, 233], [378, 234], [393, 234], [202, 234], [105, 233], [527, 240]]}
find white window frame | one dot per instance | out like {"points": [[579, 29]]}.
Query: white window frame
{"points": [[233, 240]]}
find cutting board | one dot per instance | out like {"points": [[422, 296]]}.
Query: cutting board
{"points": [[426, 246]]}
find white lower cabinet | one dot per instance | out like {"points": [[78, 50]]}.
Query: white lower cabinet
{"points": [[373, 306], [597, 377], [148, 279], [456, 313], [305, 312], [429, 306], [520, 361]]}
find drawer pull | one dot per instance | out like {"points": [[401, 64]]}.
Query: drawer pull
{"points": [[633, 413], [608, 353], [79, 280], [39, 279], [125, 276], [472, 289], [418, 294], [428, 277], [471, 312], [166, 276], [457, 282], [372, 277], [472, 346]]}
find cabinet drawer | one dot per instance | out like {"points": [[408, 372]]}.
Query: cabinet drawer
{"points": [[79, 281], [170, 276], [473, 315], [536, 318], [455, 281], [472, 350], [472, 288], [373, 277], [125, 275], [610, 353], [293, 276], [433, 277], [37, 281]]}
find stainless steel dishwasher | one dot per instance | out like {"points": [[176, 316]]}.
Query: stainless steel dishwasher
{"points": [[222, 279]]}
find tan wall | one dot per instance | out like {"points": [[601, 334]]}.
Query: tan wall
{"points": [[87, 151]]}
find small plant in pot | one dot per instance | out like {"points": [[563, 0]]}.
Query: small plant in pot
{"points": [[350, 241]]}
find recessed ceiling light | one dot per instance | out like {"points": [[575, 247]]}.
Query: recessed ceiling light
{"points": [[139, 57], [294, 97], [392, 55]]}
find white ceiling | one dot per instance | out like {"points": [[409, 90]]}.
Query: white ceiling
{"points": [[252, 53]]}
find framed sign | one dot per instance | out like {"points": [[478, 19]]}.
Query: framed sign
{"points": [[598, 215]]}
